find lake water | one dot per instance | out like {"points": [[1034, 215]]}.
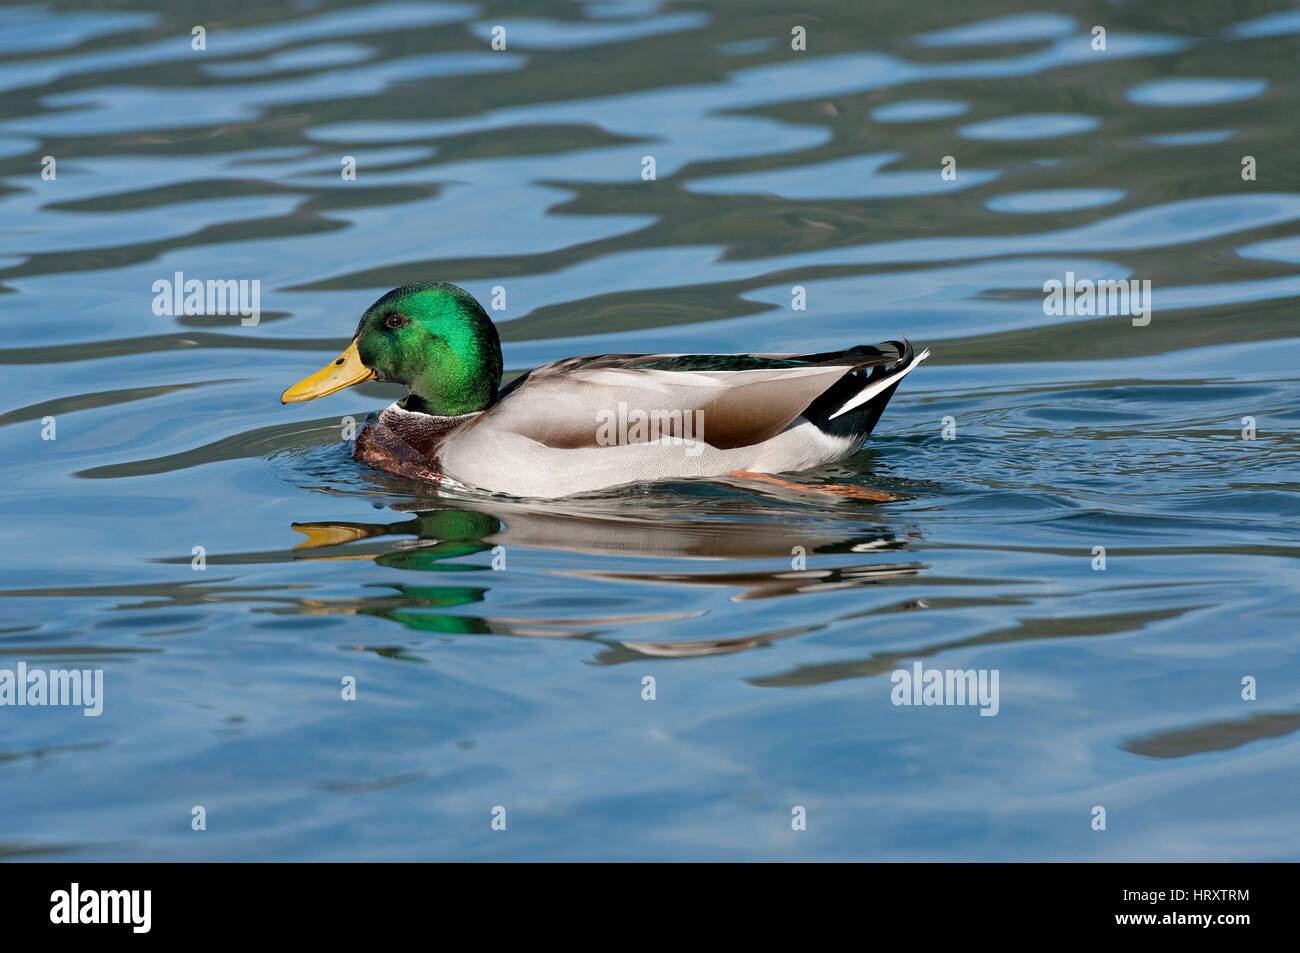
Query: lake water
{"points": [[1100, 509]]}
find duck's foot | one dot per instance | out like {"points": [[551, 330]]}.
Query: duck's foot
{"points": [[830, 489]]}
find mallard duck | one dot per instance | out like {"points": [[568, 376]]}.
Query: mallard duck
{"points": [[588, 423]]}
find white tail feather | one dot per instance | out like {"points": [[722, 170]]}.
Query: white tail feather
{"points": [[889, 380]]}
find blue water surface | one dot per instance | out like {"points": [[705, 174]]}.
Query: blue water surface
{"points": [[1101, 510]]}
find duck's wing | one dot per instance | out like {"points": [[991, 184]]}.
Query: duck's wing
{"points": [[744, 398]]}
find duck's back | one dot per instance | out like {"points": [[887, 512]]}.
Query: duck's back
{"points": [[589, 423]]}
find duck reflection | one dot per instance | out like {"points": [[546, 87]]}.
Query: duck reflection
{"points": [[437, 536]]}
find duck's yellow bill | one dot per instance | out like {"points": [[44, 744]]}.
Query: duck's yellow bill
{"points": [[343, 371]]}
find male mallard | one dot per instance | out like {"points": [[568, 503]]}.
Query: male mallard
{"points": [[586, 423]]}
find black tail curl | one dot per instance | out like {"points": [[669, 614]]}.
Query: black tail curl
{"points": [[860, 421]]}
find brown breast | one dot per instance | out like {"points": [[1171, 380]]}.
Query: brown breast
{"points": [[406, 443]]}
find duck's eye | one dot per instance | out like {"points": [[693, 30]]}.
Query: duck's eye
{"points": [[394, 321]]}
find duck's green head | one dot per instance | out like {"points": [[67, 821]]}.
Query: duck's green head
{"points": [[430, 336]]}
